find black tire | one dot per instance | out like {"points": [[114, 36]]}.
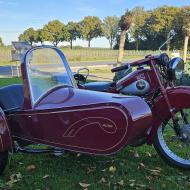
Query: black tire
{"points": [[166, 156], [3, 160]]}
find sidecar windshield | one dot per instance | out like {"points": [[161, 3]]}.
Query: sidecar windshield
{"points": [[47, 68]]}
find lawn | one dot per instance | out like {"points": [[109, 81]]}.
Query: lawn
{"points": [[83, 55], [131, 168]]}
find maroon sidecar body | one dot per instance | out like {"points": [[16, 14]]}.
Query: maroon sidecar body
{"points": [[44, 110]]}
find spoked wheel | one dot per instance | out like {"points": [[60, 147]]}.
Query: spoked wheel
{"points": [[174, 147], [3, 160]]}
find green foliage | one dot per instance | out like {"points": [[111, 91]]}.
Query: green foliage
{"points": [[185, 19], [139, 18], [110, 28], [39, 36], [90, 28], [1, 42], [151, 28], [185, 80], [29, 35], [74, 32], [55, 32], [159, 23]]}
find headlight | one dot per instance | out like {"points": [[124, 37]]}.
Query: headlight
{"points": [[175, 68]]}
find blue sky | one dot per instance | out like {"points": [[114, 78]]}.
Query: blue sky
{"points": [[18, 15]]}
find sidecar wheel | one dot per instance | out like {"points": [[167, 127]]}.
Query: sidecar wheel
{"points": [[3, 160], [171, 148]]}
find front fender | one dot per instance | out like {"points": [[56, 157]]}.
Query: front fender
{"points": [[5, 134], [179, 98]]}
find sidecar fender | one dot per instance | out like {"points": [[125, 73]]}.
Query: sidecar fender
{"points": [[179, 98], [5, 134]]}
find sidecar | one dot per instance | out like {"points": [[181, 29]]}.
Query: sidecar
{"points": [[57, 113]]}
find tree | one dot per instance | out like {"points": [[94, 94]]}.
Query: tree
{"points": [[90, 28], [186, 19], [110, 28], [158, 25], [29, 35], [124, 24], [39, 37], [1, 42], [186, 41], [74, 32], [139, 18], [55, 32]]}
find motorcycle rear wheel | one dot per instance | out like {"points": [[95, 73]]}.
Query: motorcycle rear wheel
{"points": [[3, 160], [171, 148]]}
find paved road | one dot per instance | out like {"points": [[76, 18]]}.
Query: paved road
{"points": [[94, 63], [6, 71]]}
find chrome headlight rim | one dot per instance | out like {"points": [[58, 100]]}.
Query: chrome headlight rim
{"points": [[175, 69]]}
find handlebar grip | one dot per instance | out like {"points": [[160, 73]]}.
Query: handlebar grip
{"points": [[123, 67]]}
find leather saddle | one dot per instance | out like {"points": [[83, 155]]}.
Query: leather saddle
{"points": [[98, 86]]}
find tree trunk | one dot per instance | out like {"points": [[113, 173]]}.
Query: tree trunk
{"points": [[89, 43], [111, 43], [137, 44], [121, 46], [71, 42], [168, 43], [185, 48]]}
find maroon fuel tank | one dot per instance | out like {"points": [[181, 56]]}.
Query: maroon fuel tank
{"points": [[85, 121]]}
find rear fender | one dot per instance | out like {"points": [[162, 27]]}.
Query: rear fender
{"points": [[179, 98], [5, 134]]}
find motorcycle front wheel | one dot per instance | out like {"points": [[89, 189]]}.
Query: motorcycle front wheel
{"points": [[173, 148]]}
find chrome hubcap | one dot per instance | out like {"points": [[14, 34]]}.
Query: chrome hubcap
{"points": [[176, 147]]}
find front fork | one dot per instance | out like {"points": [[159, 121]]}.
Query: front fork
{"points": [[184, 116], [164, 93]]}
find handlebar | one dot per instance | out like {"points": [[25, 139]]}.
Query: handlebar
{"points": [[163, 59], [123, 67]]}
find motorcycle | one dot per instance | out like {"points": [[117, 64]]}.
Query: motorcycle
{"points": [[50, 109], [154, 81]]}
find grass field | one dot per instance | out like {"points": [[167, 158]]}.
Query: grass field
{"points": [[83, 54], [131, 168]]}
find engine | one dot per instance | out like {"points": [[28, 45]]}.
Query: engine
{"points": [[139, 87]]}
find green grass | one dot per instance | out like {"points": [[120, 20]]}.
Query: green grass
{"points": [[131, 168], [8, 81], [83, 54]]}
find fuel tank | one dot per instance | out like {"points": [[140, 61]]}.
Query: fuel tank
{"points": [[138, 82], [138, 87], [85, 121]]}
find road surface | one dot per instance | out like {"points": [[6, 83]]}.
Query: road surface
{"points": [[8, 71]]}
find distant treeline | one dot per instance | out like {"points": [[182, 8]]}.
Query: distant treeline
{"points": [[149, 29]]}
